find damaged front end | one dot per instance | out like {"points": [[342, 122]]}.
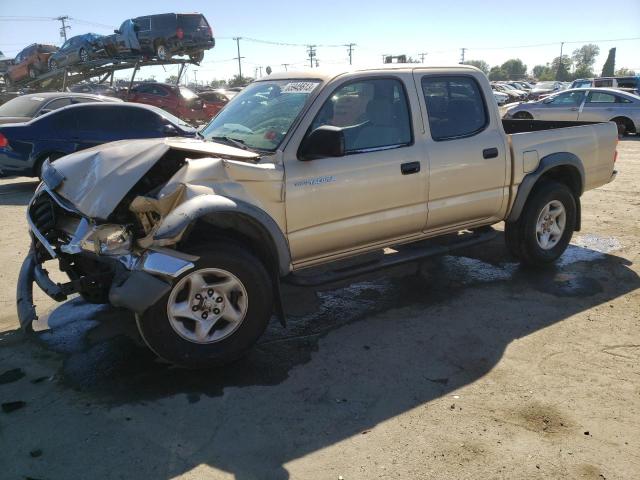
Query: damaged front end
{"points": [[113, 217], [102, 262]]}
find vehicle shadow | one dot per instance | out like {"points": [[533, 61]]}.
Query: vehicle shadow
{"points": [[17, 193], [352, 358]]}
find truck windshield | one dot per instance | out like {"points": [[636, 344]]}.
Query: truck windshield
{"points": [[261, 115]]}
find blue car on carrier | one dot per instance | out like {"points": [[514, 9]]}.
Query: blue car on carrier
{"points": [[25, 146]]}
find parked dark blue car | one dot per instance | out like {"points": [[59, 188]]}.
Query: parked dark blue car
{"points": [[25, 146]]}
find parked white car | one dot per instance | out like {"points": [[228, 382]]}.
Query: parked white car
{"points": [[500, 97], [585, 105]]}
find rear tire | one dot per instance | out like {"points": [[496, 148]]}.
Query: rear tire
{"points": [[625, 126], [545, 226], [194, 325], [83, 55], [197, 57], [162, 52], [37, 170]]}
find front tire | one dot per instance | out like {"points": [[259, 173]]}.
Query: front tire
{"points": [[214, 313], [197, 56], [545, 226]]}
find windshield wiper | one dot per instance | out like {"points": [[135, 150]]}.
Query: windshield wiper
{"points": [[233, 141]]}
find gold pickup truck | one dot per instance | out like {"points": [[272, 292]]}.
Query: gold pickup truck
{"points": [[299, 172]]}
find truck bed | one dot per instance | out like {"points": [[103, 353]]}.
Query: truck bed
{"points": [[522, 126], [593, 143]]}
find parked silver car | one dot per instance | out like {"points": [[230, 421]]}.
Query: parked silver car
{"points": [[584, 104]]}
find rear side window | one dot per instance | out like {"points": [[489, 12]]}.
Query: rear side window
{"points": [[144, 120], [59, 103], [92, 119], [373, 114], [192, 22], [455, 107], [600, 97], [144, 24]]}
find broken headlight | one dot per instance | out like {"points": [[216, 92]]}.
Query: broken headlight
{"points": [[112, 240]]}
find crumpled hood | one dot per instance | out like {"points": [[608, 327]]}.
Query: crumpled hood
{"points": [[96, 180]]}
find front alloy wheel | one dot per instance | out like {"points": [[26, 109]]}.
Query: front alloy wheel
{"points": [[207, 306], [213, 313]]}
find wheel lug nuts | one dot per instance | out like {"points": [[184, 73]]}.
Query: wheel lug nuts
{"points": [[194, 308], [204, 315], [216, 311], [198, 296], [210, 292], [219, 300]]}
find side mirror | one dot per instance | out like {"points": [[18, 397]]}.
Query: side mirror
{"points": [[169, 129], [117, 32], [324, 141], [44, 111]]}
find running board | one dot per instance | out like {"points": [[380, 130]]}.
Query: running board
{"points": [[403, 254]]}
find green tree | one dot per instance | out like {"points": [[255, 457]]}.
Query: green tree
{"points": [[496, 73], [583, 59], [173, 79], [610, 64], [540, 70], [218, 83], [625, 72], [561, 68], [480, 64], [514, 69], [238, 81]]}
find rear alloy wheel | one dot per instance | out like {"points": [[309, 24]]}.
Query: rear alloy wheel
{"points": [[83, 55], [214, 313], [161, 52], [545, 226]]}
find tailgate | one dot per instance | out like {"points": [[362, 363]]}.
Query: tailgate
{"points": [[594, 144]]}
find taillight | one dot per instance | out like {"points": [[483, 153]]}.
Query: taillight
{"points": [[180, 33], [210, 31], [3, 141]]}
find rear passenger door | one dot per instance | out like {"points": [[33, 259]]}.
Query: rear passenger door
{"points": [[466, 151], [97, 125], [603, 106]]}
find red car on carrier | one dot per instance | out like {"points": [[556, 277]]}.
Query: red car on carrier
{"points": [[175, 99]]}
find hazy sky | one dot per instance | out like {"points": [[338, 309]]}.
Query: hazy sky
{"points": [[493, 31]]}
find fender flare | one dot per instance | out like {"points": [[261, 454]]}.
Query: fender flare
{"points": [[191, 210], [529, 181]]}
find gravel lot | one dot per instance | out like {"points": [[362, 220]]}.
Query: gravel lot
{"points": [[462, 367]]}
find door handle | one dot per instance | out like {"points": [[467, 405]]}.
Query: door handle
{"points": [[574, 109], [490, 152], [409, 168]]}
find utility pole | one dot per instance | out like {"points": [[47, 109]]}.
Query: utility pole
{"points": [[560, 64], [350, 47], [64, 27], [285, 65], [260, 67], [311, 50], [195, 77], [422, 55], [462, 55], [237, 39]]}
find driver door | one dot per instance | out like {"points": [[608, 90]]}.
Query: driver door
{"points": [[561, 107], [377, 191]]}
